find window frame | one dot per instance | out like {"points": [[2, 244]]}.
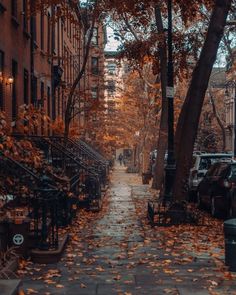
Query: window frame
{"points": [[25, 20], [14, 89], [95, 66], [26, 86], [94, 40], [94, 90]]}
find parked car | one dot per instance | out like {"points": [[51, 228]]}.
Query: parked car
{"points": [[216, 191], [201, 163], [152, 160]]}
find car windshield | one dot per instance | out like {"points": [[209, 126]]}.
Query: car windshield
{"points": [[206, 162]]}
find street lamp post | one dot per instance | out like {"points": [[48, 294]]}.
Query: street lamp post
{"points": [[170, 168], [232, 84]]}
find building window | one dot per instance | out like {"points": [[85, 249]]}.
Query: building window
{"points": [[53, 39], [25, 20], [95, 36], [42, 94], [111, 68], [1, 79], [48, 107], [58, 102], [14, 8], [49, 101], [94, 117], [42, 30], [94, 68], [94, 92], [14, 91], [34, 90], [111, 87], [49, 33], [62, 41], [126, 68], [26, 87], [34, 30]]}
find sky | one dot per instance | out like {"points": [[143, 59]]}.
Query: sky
{"points": [[112, 44]]}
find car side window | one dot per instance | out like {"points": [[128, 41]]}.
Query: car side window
{"points": [[205, 163]]}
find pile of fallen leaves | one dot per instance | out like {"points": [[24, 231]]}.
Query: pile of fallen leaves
{"points": [[21, 150], [82, 223]]}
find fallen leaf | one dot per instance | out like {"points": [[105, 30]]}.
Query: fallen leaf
{"points": [[59, 286], [83, 285], [117, 278], [168, 291], [99, 268], [32, 291], [213, 283], [49, 282]]}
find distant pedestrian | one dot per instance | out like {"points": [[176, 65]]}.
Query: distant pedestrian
{"points": [[120, 158]]}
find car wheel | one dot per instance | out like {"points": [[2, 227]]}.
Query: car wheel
{"points": [[213, 207], [199, 201]]}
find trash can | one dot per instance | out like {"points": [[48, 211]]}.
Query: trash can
{"points": [[230, 243]]}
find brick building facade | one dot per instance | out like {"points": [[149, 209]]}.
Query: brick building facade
{"points": [[14, 58], [41, 52]]}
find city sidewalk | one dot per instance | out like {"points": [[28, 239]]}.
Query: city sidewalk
{"points": [[116, 251]]}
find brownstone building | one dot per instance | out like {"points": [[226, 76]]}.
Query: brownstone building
{"points": [[41, 53], [14, 57], [94, 82]]}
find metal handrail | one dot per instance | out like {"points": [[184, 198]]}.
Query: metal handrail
{"points": [[20, 166]]}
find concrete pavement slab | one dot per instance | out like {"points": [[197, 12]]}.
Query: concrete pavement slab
{"points": [[192, 291]]}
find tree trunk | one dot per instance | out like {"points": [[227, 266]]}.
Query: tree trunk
{"points": [[163, 129], [189, 117], [71, 99]]}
